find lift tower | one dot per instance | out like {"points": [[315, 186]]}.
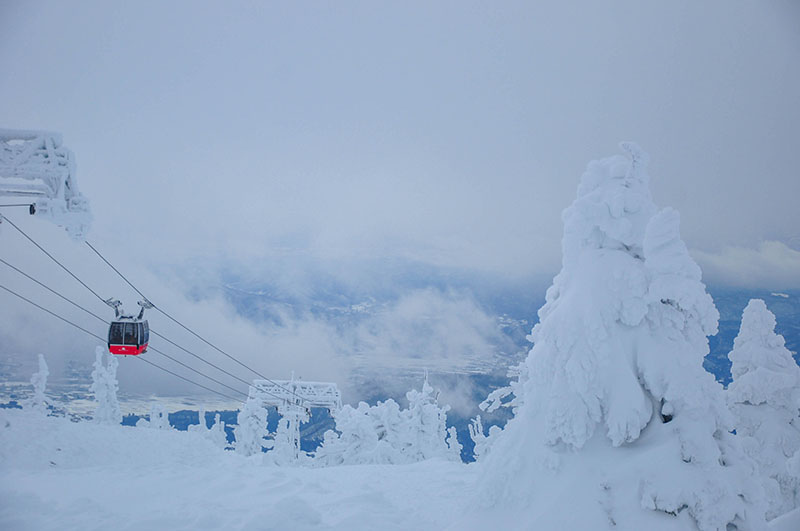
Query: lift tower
{"points": [[294, 400], [37, 171]]}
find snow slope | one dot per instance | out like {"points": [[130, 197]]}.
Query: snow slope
{"points": [[59, 474]]}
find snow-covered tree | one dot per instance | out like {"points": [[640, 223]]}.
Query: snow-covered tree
{"points": [[386, 434], [217, 433], [105, 386], [616, 406], [159, 417], [281, 448], [200, 427], [38, 402], [765, 399], [251, 429], [481, 440], [425, 424]]}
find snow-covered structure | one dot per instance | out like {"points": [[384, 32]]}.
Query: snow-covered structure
{"points": [[36, 167], [104, 387], [293, 400], [618, 424], [38, 402], [765, 400], [386, 434]]}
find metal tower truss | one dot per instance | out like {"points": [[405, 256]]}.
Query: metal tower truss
{"points": [[294, 400], [36, 167]]}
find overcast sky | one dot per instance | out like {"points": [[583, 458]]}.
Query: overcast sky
{"points": [[453, 133]]}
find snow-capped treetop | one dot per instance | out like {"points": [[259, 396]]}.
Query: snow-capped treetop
{"points": [[428, 395], [762, 367], [612, 207]]}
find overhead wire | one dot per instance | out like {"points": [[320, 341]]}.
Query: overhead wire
{"points": [[101, 339], [51, 257], [51, 290], [198, 336], [15, 226], [154, 332]]}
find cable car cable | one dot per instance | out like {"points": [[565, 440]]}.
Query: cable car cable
{"points": [[172, 318], [152, 331], [51, 290], [52, 257], [102, 299], [101, 339], [140, 293], [186, 327], [186, 379]]}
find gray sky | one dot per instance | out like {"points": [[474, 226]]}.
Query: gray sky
{"points": [[453, 133]]}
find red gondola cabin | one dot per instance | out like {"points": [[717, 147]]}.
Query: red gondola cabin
{"points": [[128, 337]]}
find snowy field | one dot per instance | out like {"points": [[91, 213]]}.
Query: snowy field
{"points": [[59, 474]]}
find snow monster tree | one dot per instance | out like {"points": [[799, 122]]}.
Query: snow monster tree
{"points": [[619, 424], [765, 399]]}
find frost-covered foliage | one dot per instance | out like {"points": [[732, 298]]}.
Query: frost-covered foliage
{"points": [[765, 399], [216, 433], [281, 447], [251, 429], [500, 397], [482, 441], [201, 426], [617, 360], [38, 402], [386, 434], [159, 418], [104, 386]]}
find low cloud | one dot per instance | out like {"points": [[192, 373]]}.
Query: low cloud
{"points": [[771, 265]]}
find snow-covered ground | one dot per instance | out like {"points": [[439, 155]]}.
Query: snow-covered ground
{"points": [[60, 475], [57, 474]]}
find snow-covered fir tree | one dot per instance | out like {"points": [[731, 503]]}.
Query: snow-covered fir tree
{"points": [[216, 433], [104, 387], [251, 430], [280, 446], [482, 441], [159, 417], [386, 434], [615, 407], [38, 402], [201, 426], [765, 399]]}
